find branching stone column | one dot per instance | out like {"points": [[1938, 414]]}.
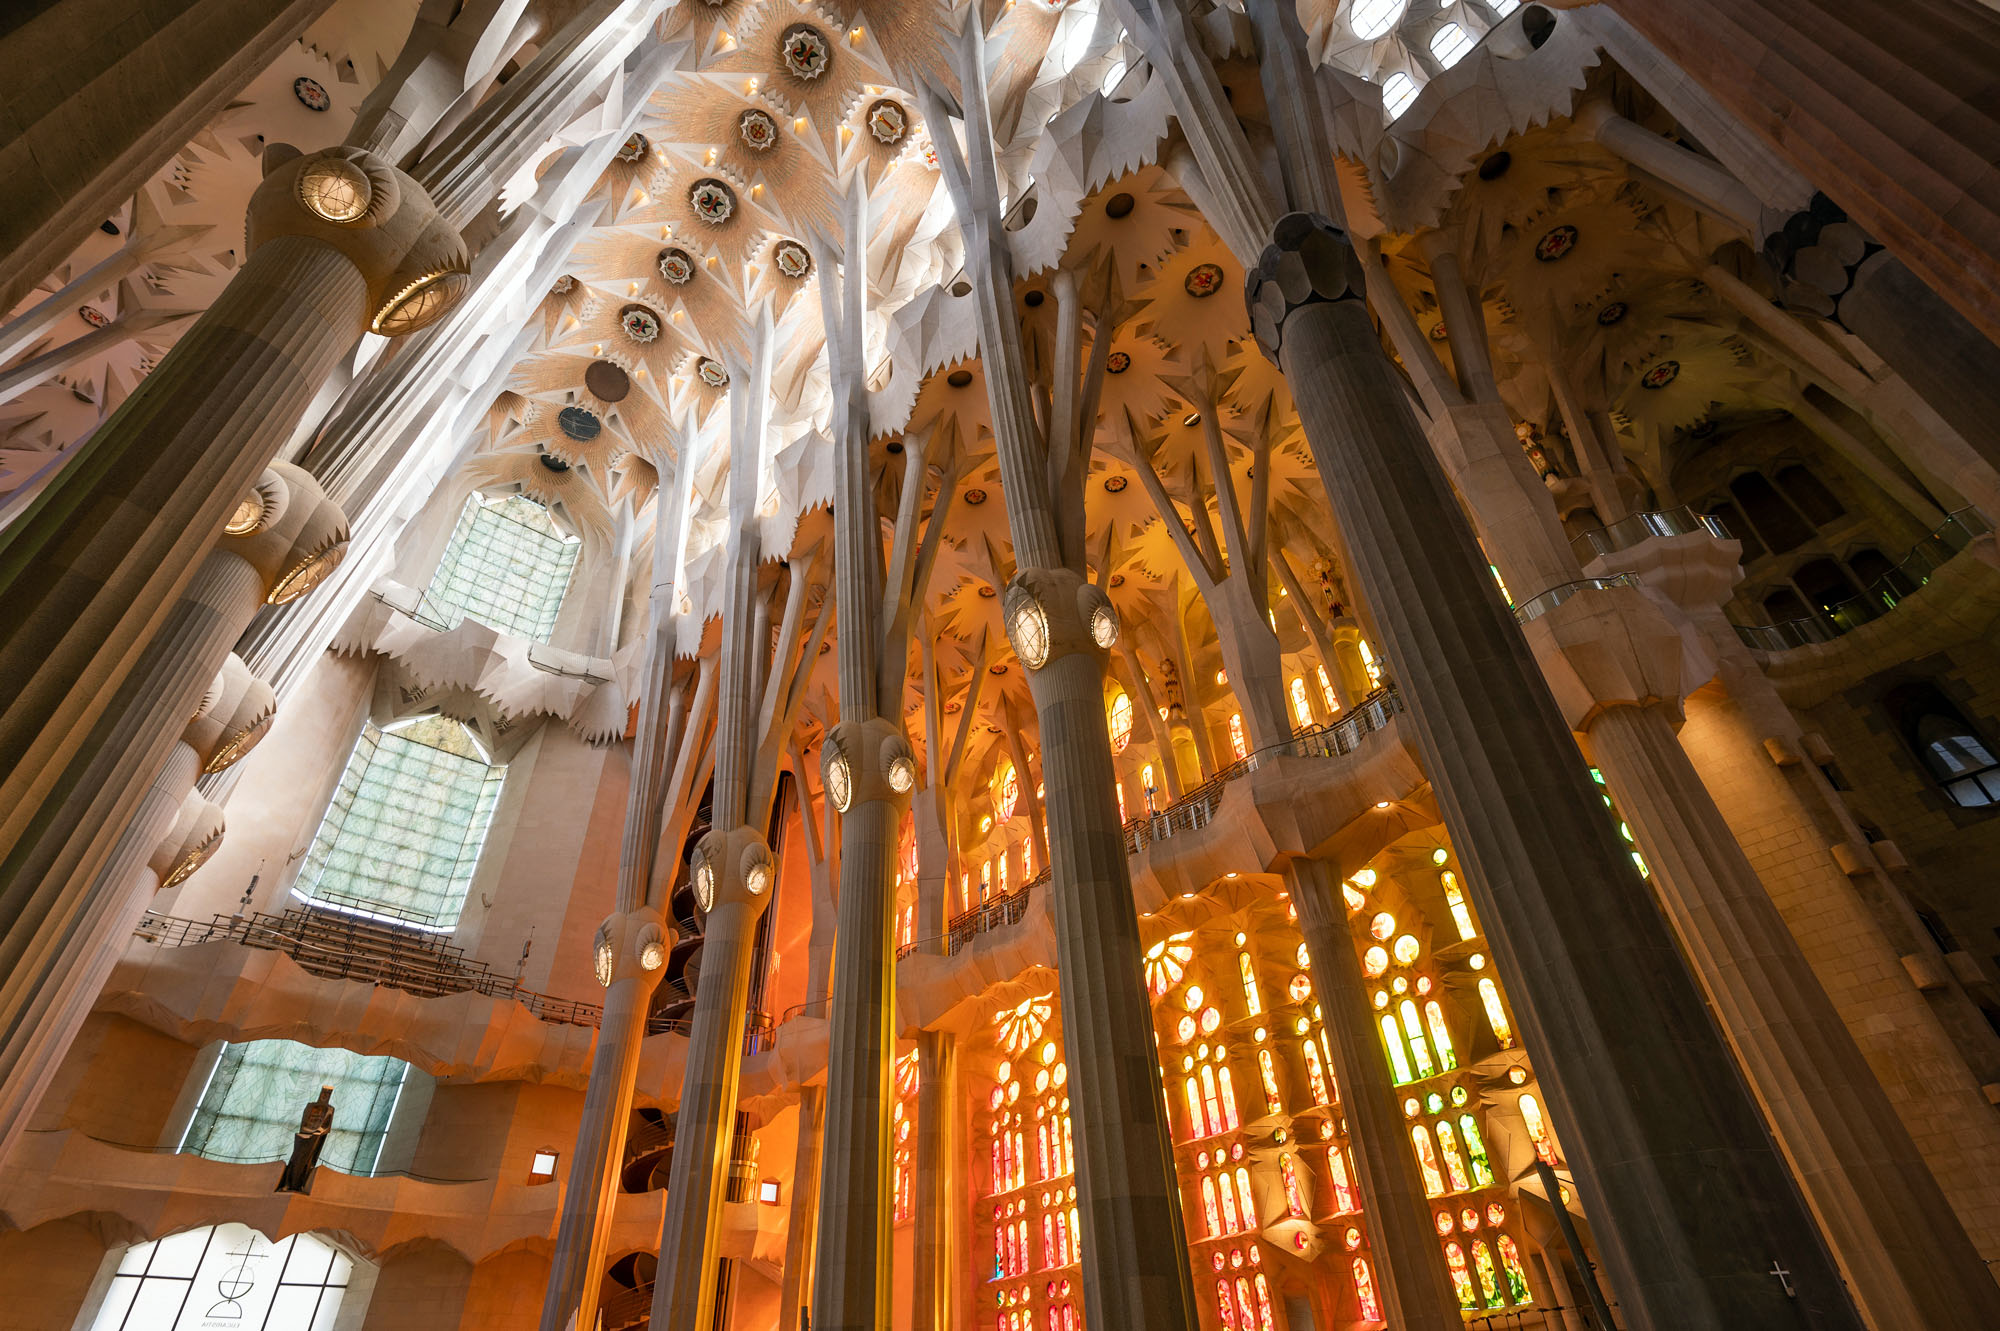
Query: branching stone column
{"points": [[1409, 1265], [1695, 1203], [1135, 1263], [632, 944], [868, 772]]}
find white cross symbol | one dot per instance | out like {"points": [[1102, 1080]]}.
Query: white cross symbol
{"points": [[1784, 1278]]}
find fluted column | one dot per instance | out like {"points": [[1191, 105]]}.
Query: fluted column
{"points": [[1907, 1258], [934, 1254], [1695, 1202], [684, 1291], [851, 1285], [1409, 1265], [101, 94], [89, 571], [802, 1234], [583, 1233]]}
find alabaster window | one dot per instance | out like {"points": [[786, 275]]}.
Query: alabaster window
{"points": [[508, 566], [226, 1276], [1952, 750], [1119, 717], [1451, 44], [1398, 91], [250, 1107], [403, 833], [1373, 18]]}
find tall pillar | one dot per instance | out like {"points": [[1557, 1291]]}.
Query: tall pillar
{"points": [[802, 1234], [1409, 1268], [284, 537], [1890, 112], [338, 241], [101, 93], [1135, 1268], [1696, 1203], [938, 1154], [583, 1233], [730, 862]]}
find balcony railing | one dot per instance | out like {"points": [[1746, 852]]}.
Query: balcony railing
{"points": [[1538, 606], [1883, 595], [1192, 811], [1628, 532], [341, 945]]}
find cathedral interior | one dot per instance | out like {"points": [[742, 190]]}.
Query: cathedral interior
{"points": [[1000, 665]]}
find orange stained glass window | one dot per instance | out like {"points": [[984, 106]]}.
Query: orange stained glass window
{"points": [[1237, 744], [1427, 1160], [1364, 1292], [1273, 1102]]}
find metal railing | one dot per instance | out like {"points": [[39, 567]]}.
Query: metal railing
{"points": [[1192, 811], [1628, 532], [341, 946], [1883, 595], [1535, 607]]}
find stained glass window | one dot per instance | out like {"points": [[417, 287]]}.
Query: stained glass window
{"points": [[508, 566], [406, 823], [1006, 793], [1302, 711], [1489, 995], [250, 1108], [1120, 718], [1327, 693], [1237, 744]]}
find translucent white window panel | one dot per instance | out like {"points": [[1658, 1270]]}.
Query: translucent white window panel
{"points": [[239, 1280], [1398, 91], [1451, 44], [1373, 18], [406, 823], [507, 565], [250, 1108]]}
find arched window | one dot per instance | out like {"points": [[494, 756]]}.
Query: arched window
{"points": [[1372, 18], [1454, 1159], [1538, 1129], [1243, 1194], [1326, 691], [1475, 1151], [1302, 711], [1273, 1102], [1253, 1002], [1809, 495], [1398, 91], [1451, 44], [1871, 567], [1454, 897], [1775, 520], [1211, 1099], [1510, 1266], [1006, 792], [1225, 1304], [1209, 1207], [1197, 1121], [250, 1104], [1784, 605], [1413, 1030], [1496, 1013], [1315, 1073], [1119, 717], [403, 832], [1489, 1279], [172, 1283], [508, 565], [1295, 1197], [1227, 1090], [1364, 1292], [1237, 745], [1345, 1199], [1232, 1218], [1824, 583], [1392, 1040], [1427, 1160], [1461, 1277], [1440, 1034], [1146, 783], [1951, 749]]}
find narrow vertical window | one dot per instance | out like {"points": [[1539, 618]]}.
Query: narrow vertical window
{"points": [[1427, 1161], [1302, 711], [1419, 1048], [1454, 1161], [1454, 897], [1392, 1040], [1496, 1014], [1253, 1001], [1237, 744], [1327, 693], [1440, 1035]]}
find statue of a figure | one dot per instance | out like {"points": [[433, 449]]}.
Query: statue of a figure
{"points": [[314, 1125]]}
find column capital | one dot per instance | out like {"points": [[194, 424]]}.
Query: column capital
{"points": [[1310, 260], [1050, 613], [733, 867], [378, 217], [863, 762], [632, 946]]}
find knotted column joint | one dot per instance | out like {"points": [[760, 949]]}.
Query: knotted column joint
{"points": [[1309, 261]]}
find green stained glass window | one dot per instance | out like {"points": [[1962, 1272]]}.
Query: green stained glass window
{"points": [[406, 824], [250, 1107], [508, 566]]}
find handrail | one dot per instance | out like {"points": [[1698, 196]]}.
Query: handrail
{"points": [[271, 1159], [1629, 531], [1535, 607], [1194, 810], [1884, 594]]}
